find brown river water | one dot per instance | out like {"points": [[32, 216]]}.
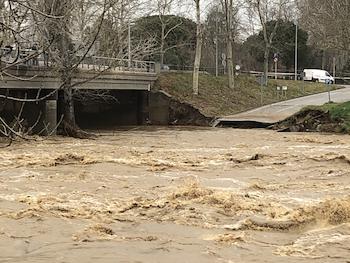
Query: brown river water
{"points": [[177, 195]]}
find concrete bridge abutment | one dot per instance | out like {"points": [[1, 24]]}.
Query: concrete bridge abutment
{"points": [[50, 109]]}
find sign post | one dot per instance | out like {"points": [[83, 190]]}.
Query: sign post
{"points": [[238, 68], [334, 68]]}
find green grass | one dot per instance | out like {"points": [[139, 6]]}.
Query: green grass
{"points": [[337, 112], [216, 99]]}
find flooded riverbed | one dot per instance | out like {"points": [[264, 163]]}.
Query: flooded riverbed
{"points": [[171, 195]]}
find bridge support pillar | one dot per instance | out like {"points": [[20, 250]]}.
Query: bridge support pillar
{"points": [[142, 107], [50, 115], [159, 108]]}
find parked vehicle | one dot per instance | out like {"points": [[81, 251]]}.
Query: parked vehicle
{"points": [[318, 75]]}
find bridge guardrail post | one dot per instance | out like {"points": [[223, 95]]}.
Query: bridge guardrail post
{"points": [[157, 68]]}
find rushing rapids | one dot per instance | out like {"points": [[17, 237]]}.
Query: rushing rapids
{"points": [[158, 194]]}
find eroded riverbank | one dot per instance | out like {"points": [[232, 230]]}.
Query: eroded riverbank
{"points": [[195, 195]]}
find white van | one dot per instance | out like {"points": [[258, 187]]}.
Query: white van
{"points": [[318, 75]]}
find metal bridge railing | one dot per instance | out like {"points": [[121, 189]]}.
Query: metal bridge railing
{"points": [[115, 64], [9, 56]]}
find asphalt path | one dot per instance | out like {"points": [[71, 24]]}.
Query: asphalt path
{"points": [[279, 111]]}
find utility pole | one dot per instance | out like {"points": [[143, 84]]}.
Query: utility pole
{"points": [[276, 69], [296, 51], [216, 46], [334, 67]]}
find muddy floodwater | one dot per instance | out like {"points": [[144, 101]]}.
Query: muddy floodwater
{"points": [[177, 195]]}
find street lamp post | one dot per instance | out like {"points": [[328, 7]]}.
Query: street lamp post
{"points": [[296, 51], [129, 45], [216, 57]]}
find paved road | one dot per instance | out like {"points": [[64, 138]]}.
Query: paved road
{"points": [[279, 111]]}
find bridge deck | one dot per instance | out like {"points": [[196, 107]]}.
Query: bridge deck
{"points": [[91, 73]]}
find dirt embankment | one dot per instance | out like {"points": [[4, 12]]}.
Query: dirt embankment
{"points": [[217, 99], [167, 109], [311, 120], [182, 113]]}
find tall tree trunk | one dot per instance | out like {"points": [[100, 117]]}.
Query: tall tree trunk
{"points": [[197, 61], [229, 37], [66, 52], [64, 58], [230, 68], [268, 36], [266, 65], [68, 103], [69, 124], [162, 43]]}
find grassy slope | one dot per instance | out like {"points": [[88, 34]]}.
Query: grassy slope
{"points": [[337, 112], [216, 99]]}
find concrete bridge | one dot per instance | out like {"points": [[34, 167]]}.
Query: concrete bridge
{"points": [[93, 73], [128, 80]]}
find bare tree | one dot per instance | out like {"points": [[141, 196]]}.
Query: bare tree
{"points": [[69, 32], [267, 10], [16, 33], [199, 40], [67, 53], [63, 54], [228, 8], [163, 10], [328, 27], [50, 23], [328, 24]]}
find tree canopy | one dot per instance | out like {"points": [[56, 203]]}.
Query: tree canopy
{"points": [[283, 44], [180, 42]]}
